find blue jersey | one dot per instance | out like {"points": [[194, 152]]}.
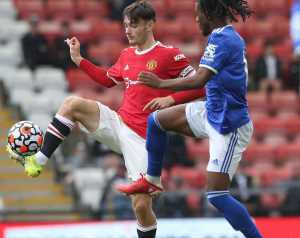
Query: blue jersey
{"points": [[226, 104]]}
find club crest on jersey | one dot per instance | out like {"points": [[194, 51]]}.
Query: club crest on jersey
{"points": [[151, 65], [210, 52]]}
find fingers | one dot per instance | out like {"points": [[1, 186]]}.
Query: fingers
{"points": [[72, 42], [150, 105]]}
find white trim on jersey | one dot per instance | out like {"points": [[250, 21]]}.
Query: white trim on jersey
{"points": [[208, 67], [142, 52], [219, 30], [112, 78]]}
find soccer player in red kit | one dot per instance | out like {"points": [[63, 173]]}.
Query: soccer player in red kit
{"points": [[123, 131]]}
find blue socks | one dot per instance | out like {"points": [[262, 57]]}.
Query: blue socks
{"points": [[235, 213], [156, 146]]}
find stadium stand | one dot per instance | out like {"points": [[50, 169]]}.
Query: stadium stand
{"points": [[269, 159]]}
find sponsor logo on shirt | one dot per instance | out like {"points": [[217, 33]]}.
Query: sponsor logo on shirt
{"points": [[151, 65], [179, 57], [210, 52], [126, 67]]}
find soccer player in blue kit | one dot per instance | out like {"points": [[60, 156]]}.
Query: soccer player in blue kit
{"points": [[223, 118]]}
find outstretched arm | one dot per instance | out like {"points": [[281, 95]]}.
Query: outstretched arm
{"points": [[98, 74], [197, 80]]}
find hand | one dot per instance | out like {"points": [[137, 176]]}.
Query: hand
{"points": [[14, 156], [74, 45], [159, 103], [150, 79]]}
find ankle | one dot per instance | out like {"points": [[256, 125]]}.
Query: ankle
{"points": [[153, 179]]}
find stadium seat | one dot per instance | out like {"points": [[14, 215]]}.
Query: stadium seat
{"points": [[285, 101], [28, 8], [10, 54], [258, 102], [182, 7], [6, 73], [57, 97], [7, 10], [78, 80], [259, 152], [107, 52], [20, 96], [271, 126], [167, 28], [105, 29], [20, 79], [50, 78], [50, 29], [194, 177], [35, 103], [41, 119], [60, 9], [292, 126], [288, 152], [12, 31], [82, 30], [197, 149], [90, 8]]}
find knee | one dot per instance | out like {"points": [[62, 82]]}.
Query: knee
{"points": [[70, 105], [141, 207]]}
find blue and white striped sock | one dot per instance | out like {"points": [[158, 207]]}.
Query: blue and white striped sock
{"points": [[235, 213]]}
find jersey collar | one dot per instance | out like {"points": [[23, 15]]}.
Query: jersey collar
{"points": [[146, 50], [220, 29]]}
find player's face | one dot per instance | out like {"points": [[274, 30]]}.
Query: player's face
{"points": [[202, 21], [136, 32]]}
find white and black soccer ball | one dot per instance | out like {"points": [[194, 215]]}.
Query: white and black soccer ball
{"points": [[25, 138]]}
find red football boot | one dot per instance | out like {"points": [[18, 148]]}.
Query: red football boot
{"points": [[140, 186]]}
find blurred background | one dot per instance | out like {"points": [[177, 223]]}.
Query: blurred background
{"points": [[36, 74]]}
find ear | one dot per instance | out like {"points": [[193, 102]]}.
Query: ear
{"points": [[150, 25]]}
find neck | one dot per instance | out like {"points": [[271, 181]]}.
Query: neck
{"points": [[219, 24], [147, 44]]}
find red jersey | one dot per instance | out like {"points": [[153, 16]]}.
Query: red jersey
{"points": [[166, 62]]}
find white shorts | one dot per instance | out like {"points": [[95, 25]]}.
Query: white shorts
{"points": [[114, 133], [225, 150]]}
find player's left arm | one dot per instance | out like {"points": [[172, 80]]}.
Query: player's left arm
{"points": [[198, 80]]}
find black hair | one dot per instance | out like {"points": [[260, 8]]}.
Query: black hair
{"points": [[222, 9], [139, 10]]}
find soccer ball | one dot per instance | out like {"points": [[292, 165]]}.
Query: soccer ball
{"points": [[25, 138]]}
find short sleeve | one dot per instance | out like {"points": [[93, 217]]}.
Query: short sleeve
{"points": [[179, 65], [115, 71], [215, 54]]}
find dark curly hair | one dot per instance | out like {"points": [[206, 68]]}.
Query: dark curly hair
{"points": [[222, 9]]}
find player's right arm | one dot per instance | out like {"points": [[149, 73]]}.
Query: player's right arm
{"points": [[98, 74]]}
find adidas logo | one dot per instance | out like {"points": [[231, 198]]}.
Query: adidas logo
{"points": [[215, 162]]}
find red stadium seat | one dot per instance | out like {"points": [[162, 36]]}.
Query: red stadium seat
{"points": [[30, 7], [60, 9], [197, 149], [285, 101], [182, 7], [258, 101], [270, 126], [50, 29], [82, 30], [107, 52], [288, 152], [194, 177], [92, 8], [77, 79], [259, 152], [292, 126], [168, 28], [105, 29], [254, 50]]}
